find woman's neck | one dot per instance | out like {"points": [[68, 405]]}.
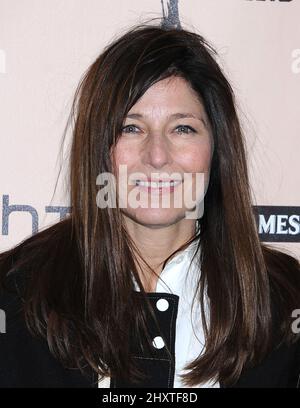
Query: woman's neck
{"points": [[156, 244]]}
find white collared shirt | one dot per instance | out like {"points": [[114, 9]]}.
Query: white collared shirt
{"points": [[180, 277]]}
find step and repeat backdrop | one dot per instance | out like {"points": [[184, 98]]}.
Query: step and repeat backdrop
{"points": [[45, 47]]}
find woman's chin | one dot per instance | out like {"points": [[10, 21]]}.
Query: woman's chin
{"points": [[156, 216]]}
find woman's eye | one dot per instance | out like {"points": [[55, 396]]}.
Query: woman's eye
{"points": [[182, 129], [185, 129], [128, 128]]}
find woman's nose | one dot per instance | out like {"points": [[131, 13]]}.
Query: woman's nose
{"points": [[157, 151]]}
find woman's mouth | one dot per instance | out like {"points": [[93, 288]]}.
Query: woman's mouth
{"points": [[157, 186]]}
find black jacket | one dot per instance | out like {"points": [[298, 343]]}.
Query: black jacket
{"points": [[25, 361]]}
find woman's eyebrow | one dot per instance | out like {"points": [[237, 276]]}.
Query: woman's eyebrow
{"points": [[177, 115]]}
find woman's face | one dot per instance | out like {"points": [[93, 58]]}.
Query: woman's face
{"points": [[165, 136]]}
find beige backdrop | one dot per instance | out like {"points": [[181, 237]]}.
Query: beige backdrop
{"points": [[46, 45]]}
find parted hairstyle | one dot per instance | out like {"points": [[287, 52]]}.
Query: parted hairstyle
{"points": [[78, 291]]}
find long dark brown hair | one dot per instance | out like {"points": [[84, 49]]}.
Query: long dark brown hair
{"points": [[78, 284]]}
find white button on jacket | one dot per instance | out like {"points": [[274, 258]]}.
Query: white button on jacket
{"points": [[162, 305]]}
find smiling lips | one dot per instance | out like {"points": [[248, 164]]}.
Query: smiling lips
{"points": [[159, 186]]}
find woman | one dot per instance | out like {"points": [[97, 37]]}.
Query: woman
{"points": [[143, 295]]}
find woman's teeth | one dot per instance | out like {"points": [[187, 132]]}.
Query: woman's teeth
{"points": [[154, 184]]}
